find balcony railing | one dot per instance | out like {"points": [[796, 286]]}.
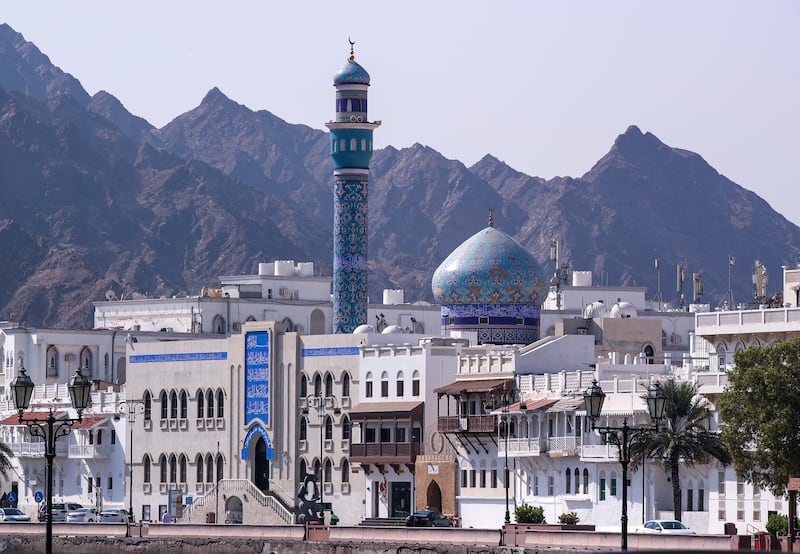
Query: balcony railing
{"points": [[521, 446], [600, 452], [89, 451], [35, 449], [384, 452], [554, 444], [467, 424]]}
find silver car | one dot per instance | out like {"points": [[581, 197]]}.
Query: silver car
{"points": [[82, 515], [13, 515], [114, 515]]}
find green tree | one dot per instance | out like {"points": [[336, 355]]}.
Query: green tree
{"points": [[5, 458], [683, 437], [760, 410]]}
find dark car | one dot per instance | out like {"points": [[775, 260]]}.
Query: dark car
{"points": [[428, 518], [60, 510]]}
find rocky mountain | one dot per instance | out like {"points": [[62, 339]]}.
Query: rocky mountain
{"points": [[96, 198]]}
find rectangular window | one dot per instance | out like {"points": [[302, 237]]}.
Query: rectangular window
{"points": [[110, 483], [721, 511], [369, 389], [113, 437], [494, 478], [400, 434], [701, 503], [602, 489], [740, 510], [463, 477], [613, 486], [370, 435], [384, 389], [483, 320], [472, 478], [400, 387], [483, 478], [91, 485], [550, 485], [721, 482], [415, 387], [386, 434], [145, 512], [689, 500], [739, 486]]}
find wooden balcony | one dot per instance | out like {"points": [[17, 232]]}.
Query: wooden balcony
{"points": [[384, 452], [468, 424]]}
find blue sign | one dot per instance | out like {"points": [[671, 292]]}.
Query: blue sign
{"points": [[11, 497], [256, 380], [38, 497], [257, 429]]}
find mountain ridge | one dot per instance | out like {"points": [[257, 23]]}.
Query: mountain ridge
{"points": [[98, 198]]}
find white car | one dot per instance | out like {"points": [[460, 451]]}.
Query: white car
{"points": [[114, 516], [13, 515], [665, 526], [82, 515]]}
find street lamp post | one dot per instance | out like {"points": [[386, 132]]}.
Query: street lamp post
{"points": [[318, 402], [131, 408], [50, 428], [505, 469], [623, 436]]}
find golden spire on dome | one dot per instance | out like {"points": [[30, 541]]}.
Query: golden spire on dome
{"points": [[491, 217], [352, 53]]}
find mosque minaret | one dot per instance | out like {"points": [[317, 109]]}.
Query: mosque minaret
{"points": [[351, 150]]}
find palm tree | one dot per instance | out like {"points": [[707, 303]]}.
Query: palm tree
{"points": [[682, 438], [5, 458]]}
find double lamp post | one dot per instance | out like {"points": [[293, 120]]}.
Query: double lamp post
{"points": [[625, 435], [50, 428]]}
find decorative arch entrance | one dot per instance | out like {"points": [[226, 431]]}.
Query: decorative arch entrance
{"points": [[433, 496], [260, 477], [233, 510]]}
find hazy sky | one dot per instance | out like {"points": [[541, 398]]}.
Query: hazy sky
{"points": [[545, 87]]}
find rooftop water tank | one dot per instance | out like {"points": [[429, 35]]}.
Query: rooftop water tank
{"points": [[305, 269], [394, 296], [581, 278], [284, 268]]}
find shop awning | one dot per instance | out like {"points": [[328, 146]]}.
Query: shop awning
{"points": [[386, 411], [476, 385]]}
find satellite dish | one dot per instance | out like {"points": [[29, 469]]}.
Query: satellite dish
{"points": [[111, 295]]}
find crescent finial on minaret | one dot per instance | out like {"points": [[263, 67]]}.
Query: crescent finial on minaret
{"points": [[491, 217], [352, 52]]}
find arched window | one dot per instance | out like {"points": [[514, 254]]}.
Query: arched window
{"points": [[577, 489], [568, 481], [368, 384], [91, 436], [86, 361], [317, 385], [333, 144], [209, 469], [52, 361], [184, 405], [318, 470], [164, 407], [353, 144], [346, 428], [721, 357], [303, 469], [220, 404], [99, 437], [328, 471], [303, 428], [210, 403], [182, 469], [201, 404], [345, 471], [219, 326], [199, 463], [384, 385], [146, 469], [400, 385], [148, 405], [220, 467], [585, 481], [105, 361], [649, 354], [162, 463], [346, 385], [173, 405], [173, 469], [415, 383], [328, 385], [303, 385], [328, 427], [342, 144]]}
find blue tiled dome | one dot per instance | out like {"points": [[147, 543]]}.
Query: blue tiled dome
{"points": [[488, 268], [351, 74]]}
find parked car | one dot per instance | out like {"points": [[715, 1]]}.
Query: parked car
{"points": [[428, 518], [114, 515], [82, 515], [665, 526], [12, 515], [60, 510]]}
